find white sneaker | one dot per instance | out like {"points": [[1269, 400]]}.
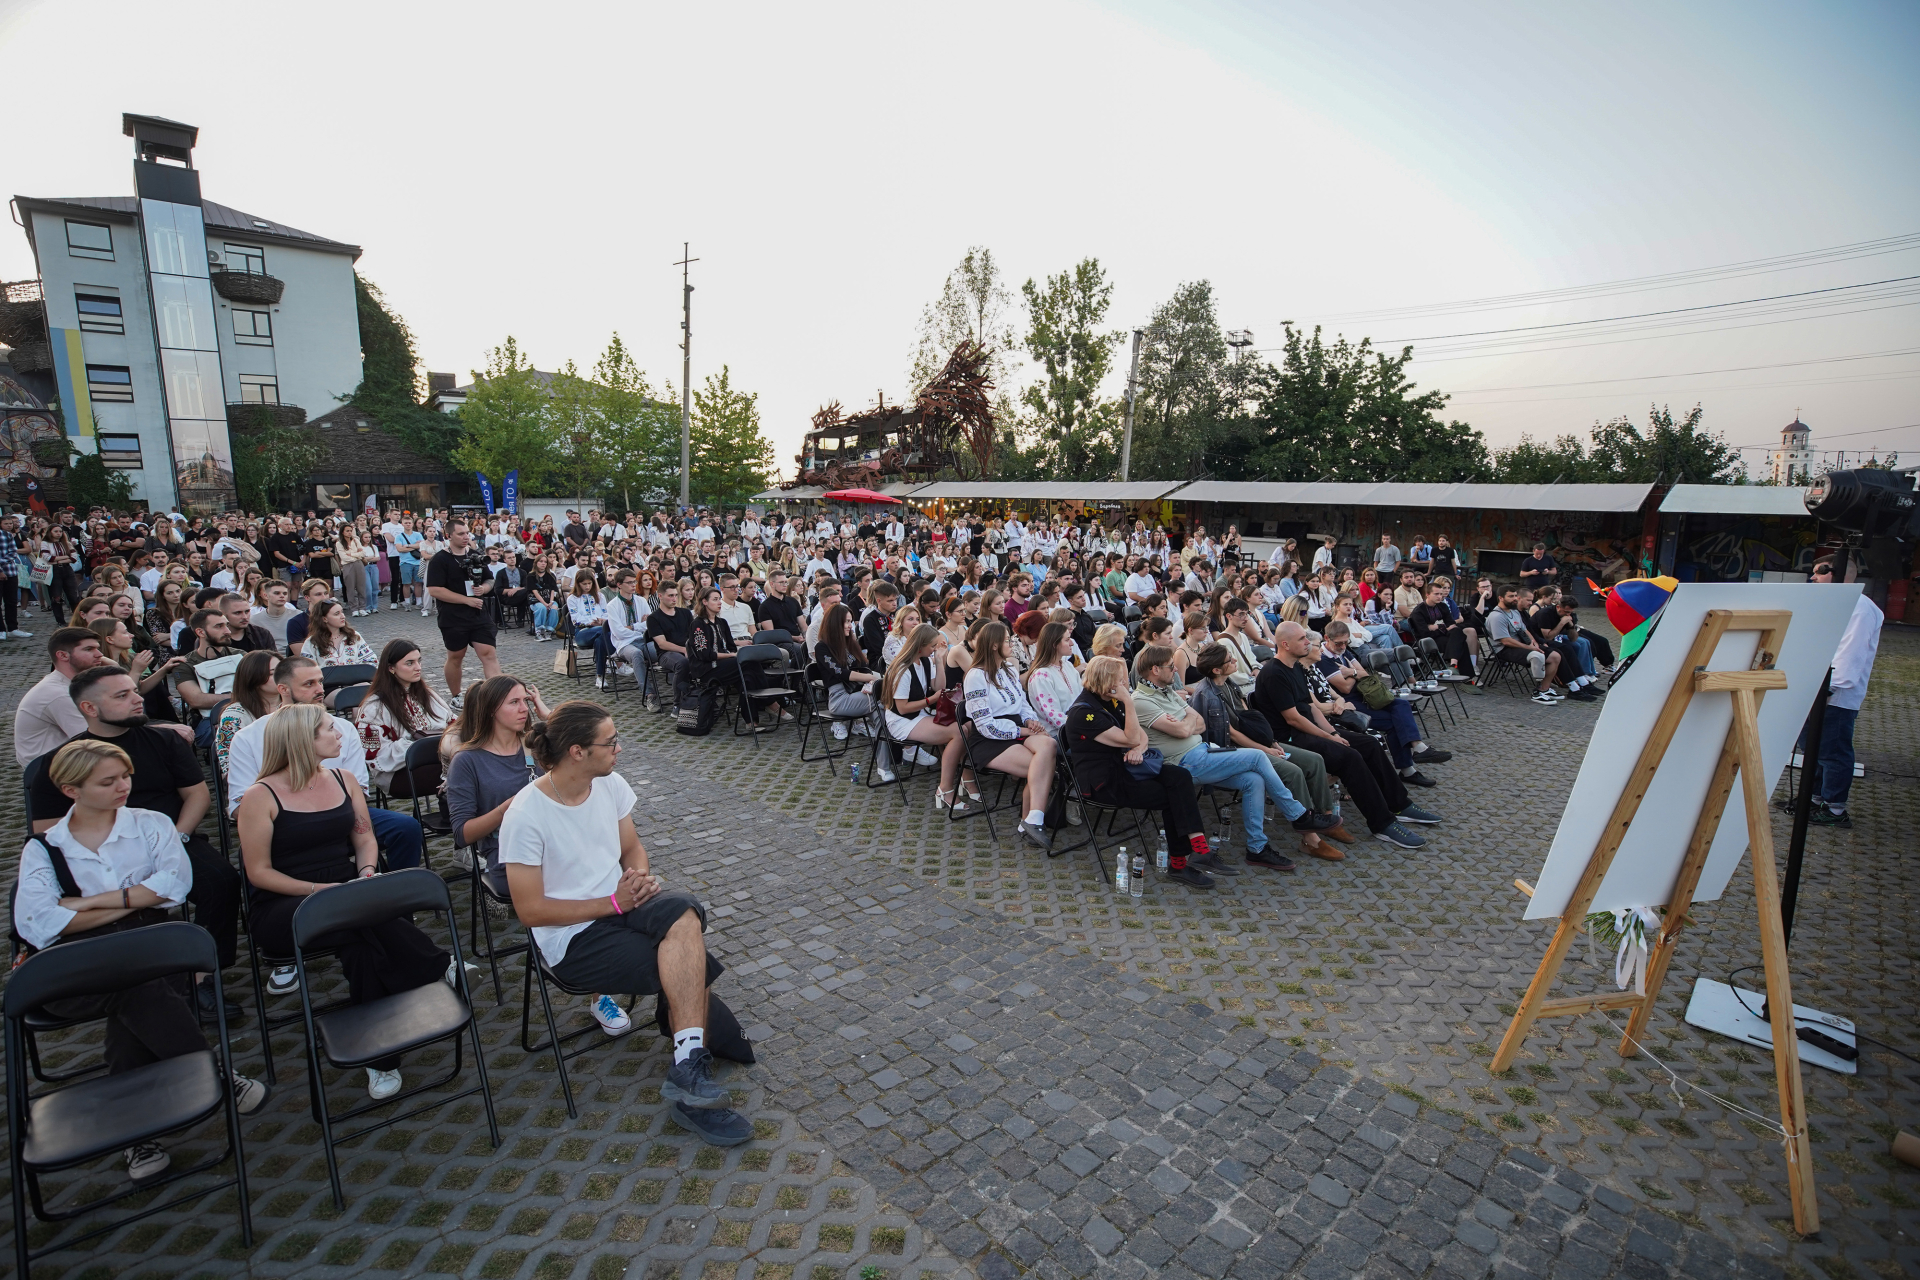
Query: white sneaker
{"points": [[599, 682], [884, 774], [622, 667], [147, 1160], [391, 604], [425, 612], [862, 728], [283, 981], [922, 756], [1546, 699], [249, 1095], [20, 635], [382, 1084], [453, 981], [612, 1018], [840, 730]]}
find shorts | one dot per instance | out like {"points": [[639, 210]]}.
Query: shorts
{"points": [[983, 751], [620, 953], [409, 571], [458, 635]]}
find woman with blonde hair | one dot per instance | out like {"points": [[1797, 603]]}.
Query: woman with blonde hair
{"points": [[1006, 733], [1109, 641], [303, 828], [906, 620]]}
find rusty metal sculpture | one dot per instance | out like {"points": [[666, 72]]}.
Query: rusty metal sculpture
{"points": [[949, 427]]}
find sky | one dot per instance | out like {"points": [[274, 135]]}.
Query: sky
{"points": [[536, 172]]}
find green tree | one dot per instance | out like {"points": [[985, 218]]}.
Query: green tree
{"points": [[1531, 462], [732, 460], [1077, 431], [1347, 412], [1180, 412], [974, 303], [1674, 452], [639, 432], [578, 453], [390, 387], [270, 458], [92, 483], [505, 422]]}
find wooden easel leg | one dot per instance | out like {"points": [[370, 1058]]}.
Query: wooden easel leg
{"points": [[1773, 948], [1529, 1011]]}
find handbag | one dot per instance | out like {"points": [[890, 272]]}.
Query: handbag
{"points": [[1374, 691], [1352, 719], [42, 574], [1149, 766], [566, 662], [946, 707]]}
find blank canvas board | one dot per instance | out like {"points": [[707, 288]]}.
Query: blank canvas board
{"points": [[1648, 862]]}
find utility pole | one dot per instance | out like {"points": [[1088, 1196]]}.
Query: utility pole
{"points": [[1133, 382], [686, 375]]}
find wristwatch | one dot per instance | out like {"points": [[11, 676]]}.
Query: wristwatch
{"points": [[184, 837]]}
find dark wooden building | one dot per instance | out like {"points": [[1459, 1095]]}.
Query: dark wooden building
{"points": [[360, 459]]}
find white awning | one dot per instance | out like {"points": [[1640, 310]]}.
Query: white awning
{"points": [[1736, 500], [1045, 491], [1490, 497]]}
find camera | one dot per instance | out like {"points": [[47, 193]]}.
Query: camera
{"points": [[1867, 503]]}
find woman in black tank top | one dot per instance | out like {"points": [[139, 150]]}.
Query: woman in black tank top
{"points": [[292, 853]]}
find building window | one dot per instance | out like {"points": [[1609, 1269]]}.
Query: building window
{"points": [[244, 257], [253, 328], [259, 388], [99, 313], [109, 382], [89, 240], [121, 452]]}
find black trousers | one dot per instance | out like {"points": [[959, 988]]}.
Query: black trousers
{"points": [[215, 896], [1602, 647], [10, 602], [393, 579], [1172, 792], [380, 960], [1364, 769], [1453, 646], [147, 1023]]}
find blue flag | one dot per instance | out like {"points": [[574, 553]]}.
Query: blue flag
{"points": [[486, 491], [510, 492]]}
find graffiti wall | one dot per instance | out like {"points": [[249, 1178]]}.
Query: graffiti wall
{"points": [[24, 422], [1711, 548]]}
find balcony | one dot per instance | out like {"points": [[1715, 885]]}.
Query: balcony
{"points": [[248, 287]]}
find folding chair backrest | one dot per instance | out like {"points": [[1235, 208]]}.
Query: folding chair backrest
{"points": [[1377, 660], [375, 900], [351, 697], [760, 653], [1428, 647], [341, 677], [1403, 652], [775, 636], [111, 962]]}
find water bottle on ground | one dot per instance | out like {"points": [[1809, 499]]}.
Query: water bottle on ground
{"points": [[1120, 871], [1139, 887], [1160, 854], [856, 774]]}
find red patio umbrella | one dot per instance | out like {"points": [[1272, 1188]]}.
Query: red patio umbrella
{"points": [[858, 495]]}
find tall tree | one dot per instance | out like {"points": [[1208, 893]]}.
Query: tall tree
{"points": [[974, 303], [1347, 412], [732, 460], [1531, 462], [505, 421], [578, 453], [1180, 411], [1675, 452], [390, 378], [639, 432], [1064, 337]]}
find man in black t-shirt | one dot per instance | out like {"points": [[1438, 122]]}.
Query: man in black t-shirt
{"points": [[166, 779], [457, 578], [286, 552], [779, 611], [1539, 569], [668, 629]]}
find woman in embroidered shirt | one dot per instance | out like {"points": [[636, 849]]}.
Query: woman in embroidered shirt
{"points": [[1005, 732], [254, 695], [586, 610], [331, 640], [400, 706], [1053, 682]]}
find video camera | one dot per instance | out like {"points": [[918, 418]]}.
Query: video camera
{"points": [[1867, 503]]}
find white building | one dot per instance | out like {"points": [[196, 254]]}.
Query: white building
{"points": [[164, 308], [1794, 462]]}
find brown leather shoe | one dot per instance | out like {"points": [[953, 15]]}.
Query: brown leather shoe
{"points": [[1339, 833], [1323, 850]]}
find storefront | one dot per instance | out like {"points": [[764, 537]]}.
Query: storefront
{"points": [[1737, 533], [361, 462]]}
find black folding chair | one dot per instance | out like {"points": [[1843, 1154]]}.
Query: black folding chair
{"points": [[1092, 810], [1435, 662], [814, 701], [418, 779], [1503, 672], [83, 1122], [771, 662], [354, 1035], [986, 807], [488, 888], [537, 967]]}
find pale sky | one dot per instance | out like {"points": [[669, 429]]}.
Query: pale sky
{"points": [[534, 172]]}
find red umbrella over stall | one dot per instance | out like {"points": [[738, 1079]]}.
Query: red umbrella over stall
{"points": [[859, 495]]}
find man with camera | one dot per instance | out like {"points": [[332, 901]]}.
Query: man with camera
{"points": [[458, 579]]}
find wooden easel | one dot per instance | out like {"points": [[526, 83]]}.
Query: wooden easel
{"points": [[1739, 754]]}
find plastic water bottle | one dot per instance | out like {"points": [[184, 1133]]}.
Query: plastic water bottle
{"points": [[856, 773], [1160, 855], [1139, 888], [1120, 871]]}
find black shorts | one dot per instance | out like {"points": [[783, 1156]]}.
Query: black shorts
{"points": [[458, 635], [619, 953]]}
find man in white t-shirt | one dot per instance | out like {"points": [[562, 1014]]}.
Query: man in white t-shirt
{"points": [[1140, 584], [581, 882]]}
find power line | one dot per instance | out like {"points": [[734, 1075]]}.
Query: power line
{"points": [[1641, 284], [1646, 315], [1697, 373], [1643, 337], [1838, 435], [1464, 399]]}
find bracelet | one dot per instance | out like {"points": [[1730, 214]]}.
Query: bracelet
{"points": [[614, 898], [126, 902]]}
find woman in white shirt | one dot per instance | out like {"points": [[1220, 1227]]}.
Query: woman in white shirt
{"points": [[400, 706], [586, 610], [331, 640], [1054, 681], [1005, 732], [914, 680], [906, 620]]}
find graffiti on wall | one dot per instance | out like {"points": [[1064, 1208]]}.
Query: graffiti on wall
{"points": [[1728, 552], [24, 422]]}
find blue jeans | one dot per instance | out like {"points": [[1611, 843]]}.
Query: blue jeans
{"points": [[373, 583], [589, 638], [1835, 776], [1395, 721], [545, 616], [1250, 773], [398, 836]]}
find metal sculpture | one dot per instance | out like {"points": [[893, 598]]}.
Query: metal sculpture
{"points": [[949, 427]]}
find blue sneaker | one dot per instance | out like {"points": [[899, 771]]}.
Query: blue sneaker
{"points": [[691, 1083], [1400, 837], [1414, 813], [716, 1126], [612, 1018]]}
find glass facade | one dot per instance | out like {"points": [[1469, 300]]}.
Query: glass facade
{"points": [[176, 242]]}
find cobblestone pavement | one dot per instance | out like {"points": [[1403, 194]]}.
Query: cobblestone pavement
{"points": [[976, 1061]]}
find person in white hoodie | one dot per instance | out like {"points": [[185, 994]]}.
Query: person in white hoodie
{"points": [[1852, 668]]}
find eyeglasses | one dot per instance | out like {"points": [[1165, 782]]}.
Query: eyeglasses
{"points": [[1823, 571], [612, 744]]}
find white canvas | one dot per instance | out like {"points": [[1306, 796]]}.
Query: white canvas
{"points": [[1648, 863]]}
